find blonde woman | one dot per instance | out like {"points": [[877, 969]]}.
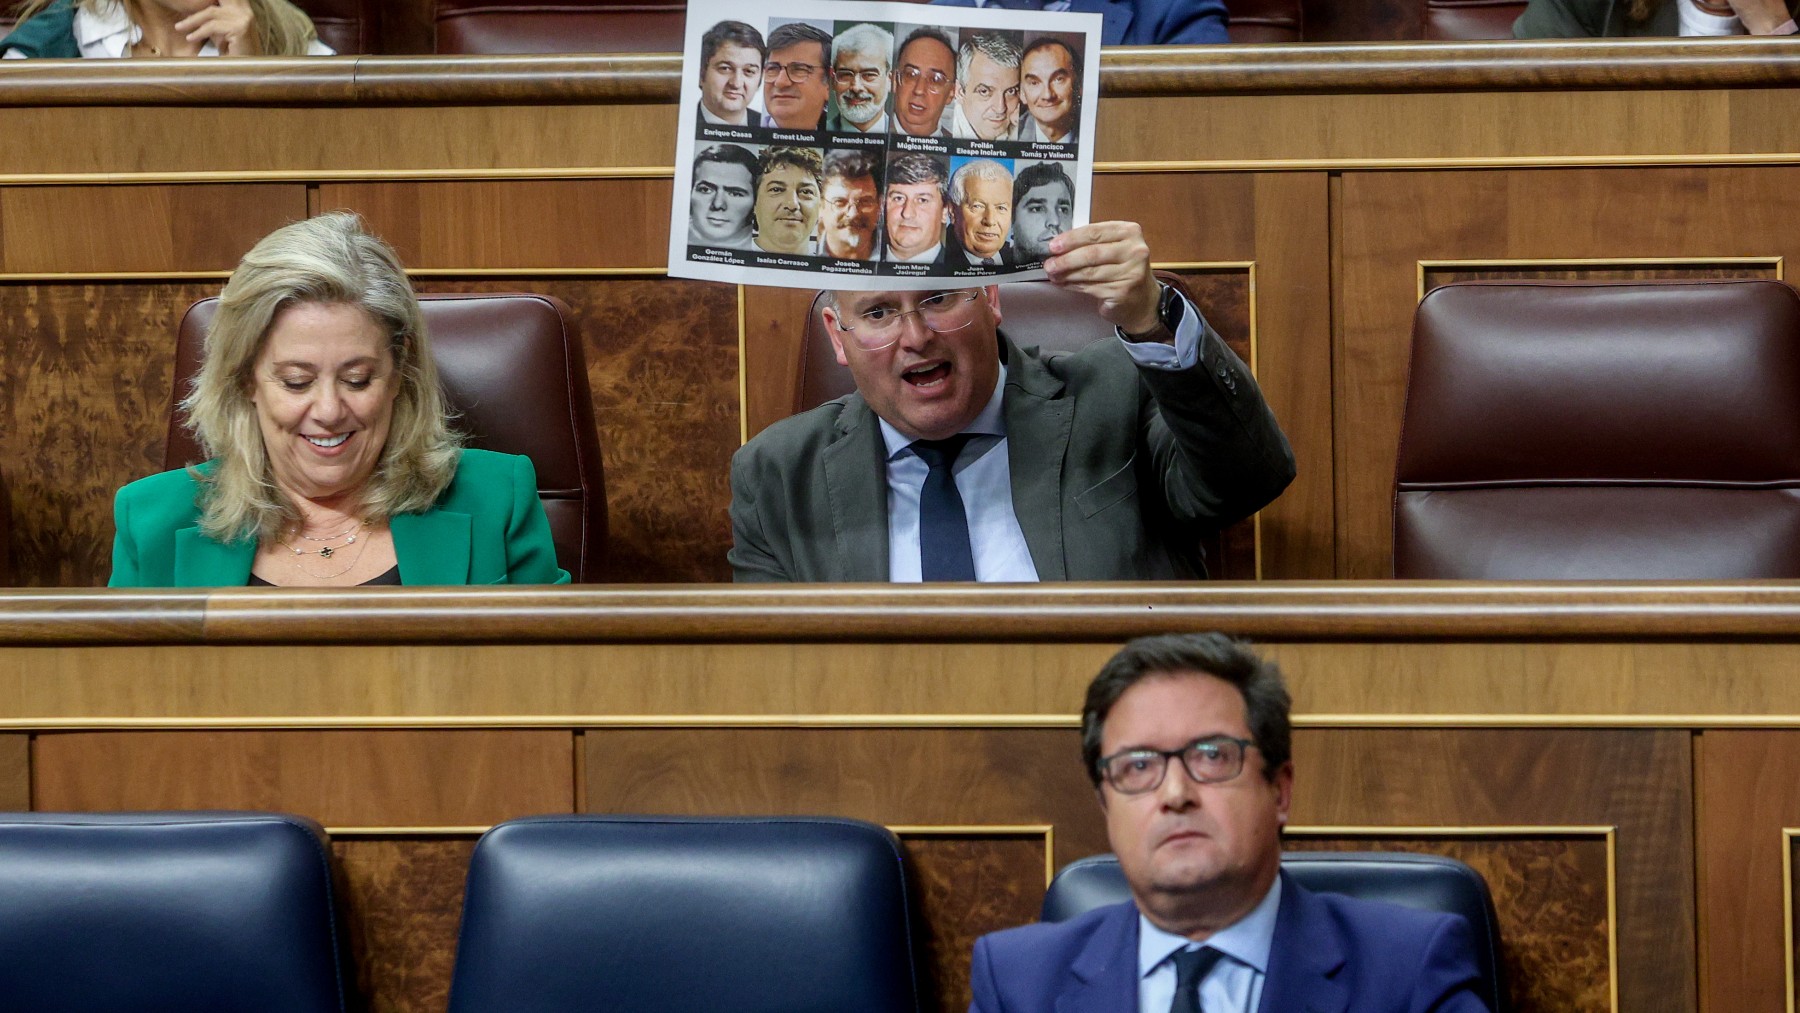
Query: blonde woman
{"points": [[333, 460], [101, 29]]}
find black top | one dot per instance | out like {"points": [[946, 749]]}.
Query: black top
{"points": [[390, 576]]}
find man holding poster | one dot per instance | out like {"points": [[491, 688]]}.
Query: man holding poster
{"points": [[964, 455]]}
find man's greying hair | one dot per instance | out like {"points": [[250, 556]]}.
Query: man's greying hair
{"points": [[1266, 701], [1038, 174], [866, 40], [1000, 47], [795, 32], [985, 168], [734, 32]]}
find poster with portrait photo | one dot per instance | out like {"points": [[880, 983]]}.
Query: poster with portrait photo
{"points": [[880, 151]]}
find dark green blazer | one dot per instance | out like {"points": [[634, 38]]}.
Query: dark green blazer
{"points": [[1117, 470], [487, 528], [50, 33]]}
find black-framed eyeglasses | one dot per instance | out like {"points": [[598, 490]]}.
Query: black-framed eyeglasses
{"points": [[796, 72], [1208, 761]]}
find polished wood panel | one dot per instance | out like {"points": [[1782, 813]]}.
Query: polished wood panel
{"points": [[1003, 777], [1749, 792], [343, 778], [1552, 898], [1391, 222], [966, 887], [662, 368], [402, 904], [1436, 276], [1640, 782], [149, 229], [516, 224], [15, 772], [89, 370]]}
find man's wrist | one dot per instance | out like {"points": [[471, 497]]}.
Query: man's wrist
{"points": [[1168, 318]]}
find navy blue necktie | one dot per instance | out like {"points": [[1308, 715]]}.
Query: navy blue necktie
{"points": [[944, 552], [1191, 967]]}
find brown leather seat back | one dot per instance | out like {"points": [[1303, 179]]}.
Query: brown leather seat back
{"points": [[1265, 20], [583, 26], [1602, 431], [1457, 20], [512, 365], [348, 26]]}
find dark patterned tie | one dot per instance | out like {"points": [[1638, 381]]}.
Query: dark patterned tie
{"points": [[944, 552], [1191, 967]]}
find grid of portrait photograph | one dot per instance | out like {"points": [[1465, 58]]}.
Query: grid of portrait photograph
{"points": [[883, 148]]}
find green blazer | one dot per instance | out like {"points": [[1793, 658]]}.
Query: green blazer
{"points": [[488, 527], [1117, 470], [50, 33]]}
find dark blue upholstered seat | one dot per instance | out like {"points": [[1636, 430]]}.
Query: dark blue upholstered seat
{"points": [[196, 912], [669, 914], [1426, 882]]}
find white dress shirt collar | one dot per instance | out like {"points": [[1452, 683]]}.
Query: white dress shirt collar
{"points": [[1246, 942]]}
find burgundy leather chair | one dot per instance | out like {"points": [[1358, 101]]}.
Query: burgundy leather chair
{"points": [[513, 367], [1265, 20], [1460, 20], [348, 26], [469, 27], [1037, 313], [1593, 430]]}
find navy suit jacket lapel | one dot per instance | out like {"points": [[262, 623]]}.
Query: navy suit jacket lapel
{"points": [[1038, 420], [1304, 957], [856, 491], [1115, 18], [1104, 974]]}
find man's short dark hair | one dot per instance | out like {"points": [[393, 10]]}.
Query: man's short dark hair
{"points": [[912, 167], [1266, 701], [795, 32], [852, 163], [927, 32], [727, 154], [734, 32], [1045, 42], [1040, 174], [807, 160]]}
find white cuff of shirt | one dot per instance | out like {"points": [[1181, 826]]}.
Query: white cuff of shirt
{"points": [[1182, 354]]}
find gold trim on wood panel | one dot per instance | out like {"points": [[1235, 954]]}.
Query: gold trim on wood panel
{"points": [[1777, 262], [1045, 830], [1608, 834], [327, 176], [573, 722], [1249, 269], [1787, 911], [92, 276], [1444, 162]]}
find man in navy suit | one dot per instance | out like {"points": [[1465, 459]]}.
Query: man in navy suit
{"points": [[1133, 22], [1187, 741]]}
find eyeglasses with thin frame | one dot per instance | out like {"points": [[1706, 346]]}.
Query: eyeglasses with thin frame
{"points": [[1208, 760], [935, 80], [796, 72], [880, 326]]}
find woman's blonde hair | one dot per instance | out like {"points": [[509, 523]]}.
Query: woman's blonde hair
{"points": [[333, 260], [281, 28]]}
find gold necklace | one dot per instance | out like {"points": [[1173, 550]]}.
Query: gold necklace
{"points": [[325, 551], [326, 554]]}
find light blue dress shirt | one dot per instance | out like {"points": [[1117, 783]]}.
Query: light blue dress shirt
{"points": [[984, 477], [1235, 983]]}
